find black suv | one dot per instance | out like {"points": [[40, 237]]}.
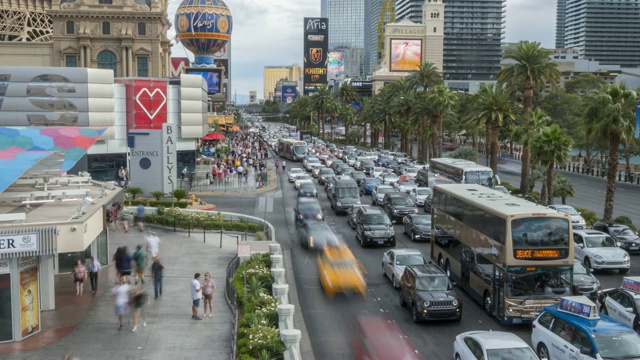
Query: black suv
{"points": [[622, 234], [398, 205], [374, 227], [429, 293], [423, 177]]}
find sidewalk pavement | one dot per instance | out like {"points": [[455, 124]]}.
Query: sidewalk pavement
{"points": [[87, 327]]}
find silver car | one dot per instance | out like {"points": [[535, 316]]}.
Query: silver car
{"points": [[377, 195], [394, 261]]}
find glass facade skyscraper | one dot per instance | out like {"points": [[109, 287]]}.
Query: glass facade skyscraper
{"points": [[347, 33], [560, 23], [604, 30], [473, 32], [377, 14]]}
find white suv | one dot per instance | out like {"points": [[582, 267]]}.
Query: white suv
{"points": [[598, 251]]}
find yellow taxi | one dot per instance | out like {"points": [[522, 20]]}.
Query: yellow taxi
{"points": [[340, 271]]}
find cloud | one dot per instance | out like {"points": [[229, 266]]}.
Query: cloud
{"points": [[531, 20]]}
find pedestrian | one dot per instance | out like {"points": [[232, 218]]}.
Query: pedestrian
{"points": [[245, 174], [140, 257], [208, 287], [123, 220], [284, 166], [138, 300], [140, 217], [94, 268], [125, 261], [157, 270], [277, 165], [185, 172], [259, 180], [214, 174], [79, 276], [120, 296], [122, 176], [153, 244], [196, 295], [239, 170]]}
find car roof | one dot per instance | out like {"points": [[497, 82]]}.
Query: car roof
{"points": [[396, 194], [295, 169], [372, 209], [587, 233], [496, 339], [406, 251], [428, 269], [604, 325], [384, 186], [308, 199]]}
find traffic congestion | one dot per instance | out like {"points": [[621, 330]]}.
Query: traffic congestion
{"points": [[447, 235]]}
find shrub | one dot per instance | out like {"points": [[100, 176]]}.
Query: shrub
{"points": [[134, 191], [157, 194], [260, 235], [261, 338], [589, 216], [510, 187], [179, 194]]}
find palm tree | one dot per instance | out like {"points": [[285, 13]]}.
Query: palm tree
{"points": [[421, 114], [425, 77], [563, 188], [332, 108], [300, 112], [402, 105], [525, 129], [365, 116], [533, 66], [319, 102], [550, 148], [347, 116], [493, 105], [348, 95], [441, 99], [611, 115]]}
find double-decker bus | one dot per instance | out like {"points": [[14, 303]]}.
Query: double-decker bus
{"points": [[459, 171], [512, 256], [294, 150]]}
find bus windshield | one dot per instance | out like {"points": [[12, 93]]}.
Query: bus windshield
{"points": [[478, 177], [540, 232], [538, 282], [300, 149]]}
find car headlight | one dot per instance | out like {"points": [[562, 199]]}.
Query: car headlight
{"points": [[425, 303], [319, 216], [415, 211], [455, 303], [399, 275], [394, 211], [625, 256], [597, 256], [339, 203], [619, 244], [367, 232], [358, 203], [300, 216], [392, 232]]}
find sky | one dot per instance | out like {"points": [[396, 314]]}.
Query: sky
{"points": [[269, 32]]}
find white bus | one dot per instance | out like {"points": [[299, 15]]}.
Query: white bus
{"points": [[294, 150], [459, 171], [512, 256]]}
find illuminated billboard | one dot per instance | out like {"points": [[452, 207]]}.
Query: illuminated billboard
{"points": [[316, 45], [288, 93], [335, 67], [406, 54], [211, 76]]}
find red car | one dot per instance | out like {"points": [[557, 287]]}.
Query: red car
{"points": [[380, 338]]}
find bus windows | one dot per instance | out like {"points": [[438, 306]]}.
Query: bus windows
{"points": [[539, 232], [540, 282], [478, 177]]}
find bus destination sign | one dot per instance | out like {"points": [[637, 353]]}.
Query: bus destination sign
{"points": [[538, 254]]}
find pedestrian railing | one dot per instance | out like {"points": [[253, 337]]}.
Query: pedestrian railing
{"points": [[231, 295], [203, 181]]}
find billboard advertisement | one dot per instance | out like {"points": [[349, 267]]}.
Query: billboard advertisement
{"points": [[178, 64], [406, 54], [146, 103], [288, 94], [316, 45], [211, 76], [29, 296], [335, 66]]}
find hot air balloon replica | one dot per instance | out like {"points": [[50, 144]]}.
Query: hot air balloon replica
{"points": [[204, 27]]}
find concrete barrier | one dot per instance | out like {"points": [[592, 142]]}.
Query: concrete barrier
{"points": [[290, 337]]}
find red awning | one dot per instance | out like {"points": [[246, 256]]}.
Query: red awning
{"points": [[214, 135]]}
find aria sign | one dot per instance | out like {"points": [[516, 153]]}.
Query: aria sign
{"points": [[18, 243]]}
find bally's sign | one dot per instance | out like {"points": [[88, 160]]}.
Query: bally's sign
{"points": [[18, 243]]}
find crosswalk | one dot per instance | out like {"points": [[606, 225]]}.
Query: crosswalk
{"points": [[264, 205]]}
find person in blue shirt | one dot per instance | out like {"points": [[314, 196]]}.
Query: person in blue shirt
{"points": [[140, 217]]}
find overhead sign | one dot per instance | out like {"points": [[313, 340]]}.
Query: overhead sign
{"points": [[18, 243], [315, 57], [580, 306]]}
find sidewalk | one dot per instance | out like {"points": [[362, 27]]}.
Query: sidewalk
{"points": [[88, 328]]}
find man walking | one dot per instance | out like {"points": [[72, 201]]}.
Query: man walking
{"points": [[94, 268], [140, 217], [120, 294], [140, 257], [196, 295], [157, 269]]}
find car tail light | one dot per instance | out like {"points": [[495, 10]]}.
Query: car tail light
{"points": [[533, 326]]}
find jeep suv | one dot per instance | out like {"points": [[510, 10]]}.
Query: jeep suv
{"points": [[429, 293], [374, 227], [398, 205]]}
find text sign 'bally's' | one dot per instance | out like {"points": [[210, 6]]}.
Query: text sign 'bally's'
{"points": [[579, 305], [169, 166], [18, 243]]}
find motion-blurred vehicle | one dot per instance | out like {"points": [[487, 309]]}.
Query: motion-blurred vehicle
{"points": [[308, 209], [308, 190], [301, 179], [378, 337], [417, 227], [340, 272], [622, 234], [394, 261], [317, 235], [473, 345]]}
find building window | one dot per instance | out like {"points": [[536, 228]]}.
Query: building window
{"points": [[142, 29], [107, 60], [70, 28], [143, 66], [105, 2], [106, 28], [70, 61], [435, 29]]}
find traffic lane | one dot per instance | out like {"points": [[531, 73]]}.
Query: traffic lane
{"points": [[590, 191]]}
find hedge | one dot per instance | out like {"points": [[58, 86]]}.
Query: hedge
{"points": [[156, 203]]}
